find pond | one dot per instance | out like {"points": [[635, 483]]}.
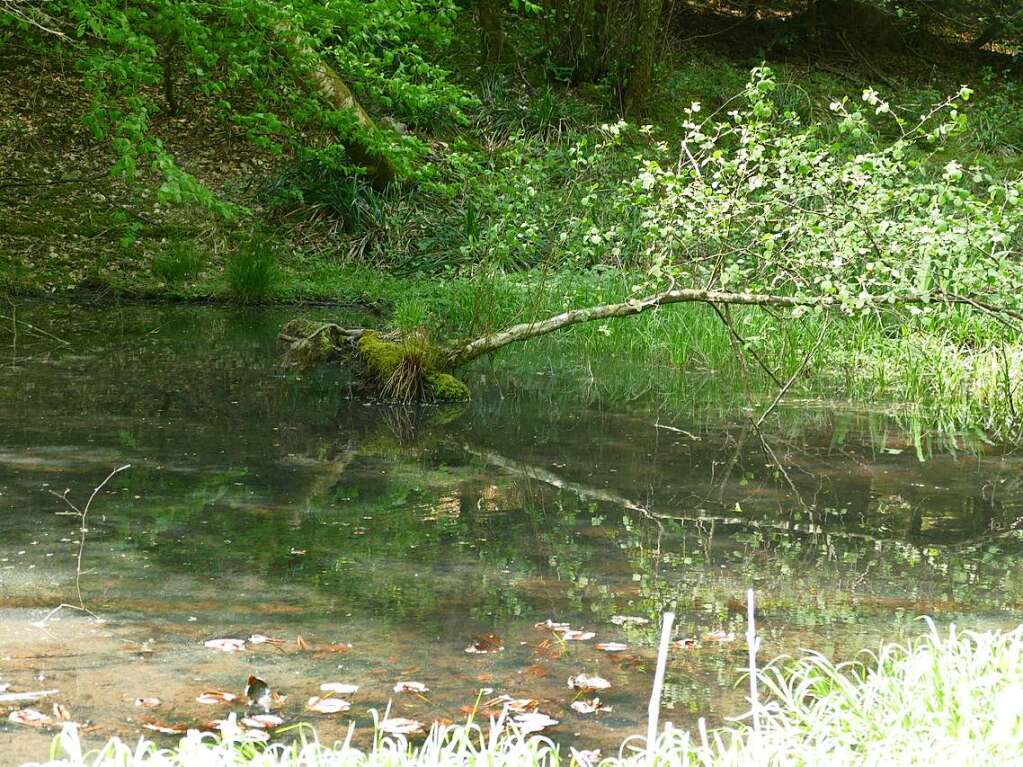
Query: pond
{"points": [[263, 501]]}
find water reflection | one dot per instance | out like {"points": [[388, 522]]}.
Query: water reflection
{"points": [[266, 501]]}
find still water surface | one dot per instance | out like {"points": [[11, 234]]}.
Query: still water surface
{"points": [[263, 501]]}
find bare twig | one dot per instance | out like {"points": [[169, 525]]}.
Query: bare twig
{"points": [[83, 515]]}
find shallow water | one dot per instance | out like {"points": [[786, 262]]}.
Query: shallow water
{"points": [[265, 501]]}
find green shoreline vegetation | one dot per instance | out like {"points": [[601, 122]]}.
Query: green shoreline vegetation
{"points": [[954, 695]]}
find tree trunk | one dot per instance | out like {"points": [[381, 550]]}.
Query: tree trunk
{"points": [[491, 33], [644, 52], [329, 85]]}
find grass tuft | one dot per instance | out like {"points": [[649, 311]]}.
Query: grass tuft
{"points": [[252, 271]]}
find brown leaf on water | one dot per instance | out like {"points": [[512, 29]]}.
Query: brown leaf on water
{"points": [[29, 717], [264, 639], [167, 728], [483, 644], [216, 697], [151, 702], [547, 651], [551, 625], [689, 643], [262, 721], [331, 649], [515, 705]]}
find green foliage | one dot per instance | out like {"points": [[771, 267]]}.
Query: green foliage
{"points": [[249, 63], [252, 270], [761, 202], [178, 262]]}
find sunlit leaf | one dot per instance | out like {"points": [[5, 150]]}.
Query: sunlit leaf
{"points": [[339, 688], [612, 646], [629, 620], [262, 721], [147, 702], [225, 645], [721, 637], [327, 705], [417, 687], [533, 722], [400, 726], [586, 683], [29, 717], [216, 697], [589, 706]]}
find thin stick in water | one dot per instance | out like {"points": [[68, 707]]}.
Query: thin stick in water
{"points": [[654, 709]]}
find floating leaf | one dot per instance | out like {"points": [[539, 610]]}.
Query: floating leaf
{"points": [[629, 620], [686, 644], [262, 721], [589, 706], [29, 717], [586, 683], [533, 722], [165, 727], [515, 705], [326, 705], [400, 726], [720, 637], [571, 635], [585, 757], [301, 643], [216, 697], [61, 712], [225, 645], [485, 643], [339, 688], [612, 646], [551, 625], [147, 702], [417, 687]]}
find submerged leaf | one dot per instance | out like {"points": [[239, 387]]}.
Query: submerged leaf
{"points": [[147, 702], [721, 637], [551, 625]]}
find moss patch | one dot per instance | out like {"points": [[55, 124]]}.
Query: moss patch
{"points": [[409, 369]]}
